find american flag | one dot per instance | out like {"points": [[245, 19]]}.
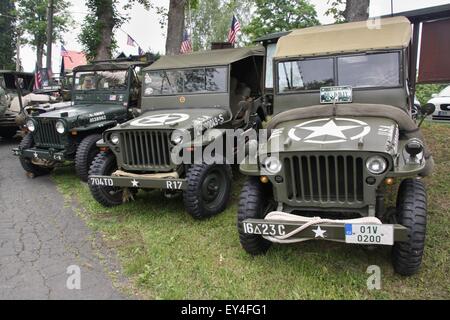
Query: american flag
{"points": [[130, 41], [186, 45], [235, 28], [37, 79], [64, 52], [141, 52]]}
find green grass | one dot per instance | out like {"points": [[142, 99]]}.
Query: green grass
{"points": [[168, 255]]}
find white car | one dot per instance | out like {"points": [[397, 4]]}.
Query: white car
{"points": [[442, 103]]}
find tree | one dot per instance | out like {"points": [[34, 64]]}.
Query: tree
{"points": [[355, 10], [7, 35], [175, 26], [281, 15], [33, 22], [210, 21], [97, 33]]}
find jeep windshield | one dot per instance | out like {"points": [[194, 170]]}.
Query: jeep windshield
{"points": [[187, 81], [101, 80], [358, 71]]}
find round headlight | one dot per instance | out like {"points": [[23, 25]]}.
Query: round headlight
{"points": [[177, 139], [376, 165], [60, 127], [30, 125], [272, 165], [115, 139]]}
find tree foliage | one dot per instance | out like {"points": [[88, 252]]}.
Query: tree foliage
{"points": [[348, 10], [97, 32], [33, 22], [424, 92], [280, 15], [210, 20], [7, 35]]}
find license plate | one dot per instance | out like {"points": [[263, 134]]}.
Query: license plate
{"points": [[264, 229], [444, 113], [336, 95], [382, 234]]}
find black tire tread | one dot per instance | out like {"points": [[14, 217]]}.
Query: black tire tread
{"points": [[412, 213], [82, 159], [251, 199], [191, 196], [98, 167]]}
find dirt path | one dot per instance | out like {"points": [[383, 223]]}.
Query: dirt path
{"points": [[40, 239]]}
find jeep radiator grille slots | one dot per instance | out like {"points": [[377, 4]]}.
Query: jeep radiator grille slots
{"points": [[146, 149], [46, 135], [325, 179]]}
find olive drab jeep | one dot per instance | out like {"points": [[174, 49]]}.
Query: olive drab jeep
{"points": [[341, 137], [186, 93], [103, 95], [12, 84]]}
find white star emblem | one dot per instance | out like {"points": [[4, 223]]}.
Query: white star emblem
{"points": [[160, 119], [328, 129], [319, 232], [135, 183], [35, 154]]}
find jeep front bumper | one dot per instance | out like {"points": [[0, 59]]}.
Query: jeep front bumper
{"points": [[279, 231], [40, 154], [138, 182]]}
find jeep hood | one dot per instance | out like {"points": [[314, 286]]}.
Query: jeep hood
{"points": [[73, 112], [177, 119], [329, 134]]}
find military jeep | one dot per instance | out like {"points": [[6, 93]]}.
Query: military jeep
{"points": [[103, 95], [12, 84], [186, 93], [341, 138]]}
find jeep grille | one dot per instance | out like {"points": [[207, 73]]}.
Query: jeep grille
{"points": [[46, 135], [146, 150], [325, 179]]}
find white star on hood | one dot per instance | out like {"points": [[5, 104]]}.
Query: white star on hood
{"points": [[319, 232], [328, 129]]}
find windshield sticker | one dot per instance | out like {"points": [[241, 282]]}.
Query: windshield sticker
{"points": [[160, 120], [329, 130]]}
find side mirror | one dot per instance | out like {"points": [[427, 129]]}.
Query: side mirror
{"points": [[428, 109], [435, 95]]}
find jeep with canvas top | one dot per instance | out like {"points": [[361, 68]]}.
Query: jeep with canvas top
{"points": [[103, 95], [188, 94], [341, 138], [12, 85]]}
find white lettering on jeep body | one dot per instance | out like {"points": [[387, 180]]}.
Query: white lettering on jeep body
{"points": [[104, 182], [174, 185]]}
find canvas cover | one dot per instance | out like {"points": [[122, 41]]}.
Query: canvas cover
{"points": [[205, 58], [388, 33]]}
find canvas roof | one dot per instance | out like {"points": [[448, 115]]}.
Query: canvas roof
{"points": [[205, 58], [110, 66], [388, 33]]}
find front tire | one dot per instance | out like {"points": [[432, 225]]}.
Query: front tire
{"points": [[255, 203], [86, 152], [104, 165], [27, 143], [208, 190], [411, 213]]}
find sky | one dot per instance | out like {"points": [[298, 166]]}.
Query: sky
{"points": [[145, 29]]}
